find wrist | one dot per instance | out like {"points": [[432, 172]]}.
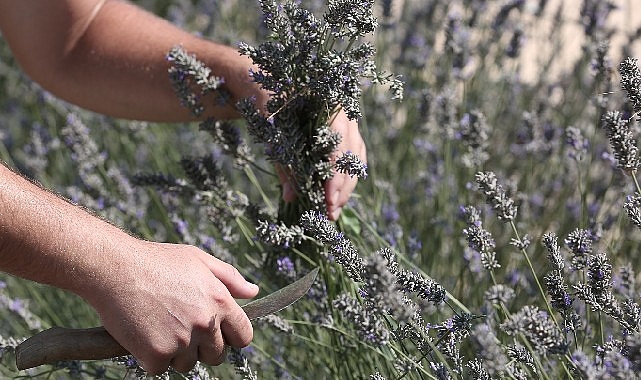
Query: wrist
{"points": [[108, 266]]}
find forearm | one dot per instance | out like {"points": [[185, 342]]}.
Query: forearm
{"points": [[112, 57], [47, 239], [166, 304]]}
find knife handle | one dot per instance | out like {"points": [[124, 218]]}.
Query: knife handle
{"points": [[58, 343]]}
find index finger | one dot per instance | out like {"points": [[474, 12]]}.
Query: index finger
{"points": [[237, 285]]}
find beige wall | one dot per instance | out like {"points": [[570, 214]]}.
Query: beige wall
{"points": [[626, 19], [539, 42]]}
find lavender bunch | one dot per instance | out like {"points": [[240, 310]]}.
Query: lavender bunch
{"points": [[313, 66]]}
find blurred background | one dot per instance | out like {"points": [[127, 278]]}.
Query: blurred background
{"points": [[515, 87]]}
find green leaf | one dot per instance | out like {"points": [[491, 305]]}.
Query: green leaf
{"points": [[349, 222]]}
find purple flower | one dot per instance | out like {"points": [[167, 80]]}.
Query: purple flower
{"points": [[285, 265]]}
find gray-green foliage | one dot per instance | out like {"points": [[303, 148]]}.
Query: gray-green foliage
{"points": [[539, 282]]}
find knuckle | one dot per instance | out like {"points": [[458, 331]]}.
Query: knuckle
{"points": [[160, 354], [217, 358], [182, 341], [231, 271]]}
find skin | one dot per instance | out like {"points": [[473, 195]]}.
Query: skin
{"points": [[168, 304]]}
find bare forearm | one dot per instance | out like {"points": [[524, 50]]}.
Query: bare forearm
{"points": [[46, 239], [111, 58], [164, 303]]}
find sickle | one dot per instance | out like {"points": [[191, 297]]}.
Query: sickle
{"points": [[59, 343]]}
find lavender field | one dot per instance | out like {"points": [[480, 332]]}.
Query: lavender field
{"points": [[496, 227]]}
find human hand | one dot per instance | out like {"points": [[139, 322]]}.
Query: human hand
{"points": [[173, 305], [340, 187]]}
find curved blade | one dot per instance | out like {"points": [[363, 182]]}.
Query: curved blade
{"points": [[59, 343], [281, 298]]}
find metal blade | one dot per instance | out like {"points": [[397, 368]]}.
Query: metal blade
{"points": [[59, 343], [281, 298]]}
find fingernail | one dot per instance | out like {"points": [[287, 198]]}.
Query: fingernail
{"points": [[252, 285], [336, 213]]}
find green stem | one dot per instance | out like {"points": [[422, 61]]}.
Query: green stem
{"points": [[633, 174], [534, 275]]}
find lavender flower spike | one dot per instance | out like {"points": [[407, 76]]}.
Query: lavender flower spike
{"points": [[622, 140], [350, 163], [479, 239], [279, 234], [241, 364], [550, 241], [579, 242], [370, 327], [538, 327], [632, 207], [496, 196], [631, 81], [340, 247], [192, 79]]}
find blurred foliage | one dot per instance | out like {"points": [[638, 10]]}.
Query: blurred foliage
{"points": [[456, 58]]}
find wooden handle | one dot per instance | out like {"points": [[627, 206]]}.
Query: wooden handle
{"points": [[58, 343]]}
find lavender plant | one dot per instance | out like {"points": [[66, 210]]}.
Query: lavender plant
{"points": [[531, 276], [313, 67], [594, 287]]}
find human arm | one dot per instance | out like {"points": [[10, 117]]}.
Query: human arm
{"points": [[110, 56], [167, 304]]}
